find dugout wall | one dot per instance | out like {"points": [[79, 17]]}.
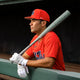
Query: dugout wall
{"points": [[9, 69]]}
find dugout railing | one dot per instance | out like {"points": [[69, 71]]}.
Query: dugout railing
{"points": [[9, 69]]}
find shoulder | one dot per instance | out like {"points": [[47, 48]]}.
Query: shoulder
{"points": [[50, 35], [51, 38]]}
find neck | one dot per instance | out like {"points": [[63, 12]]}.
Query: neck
{"points": [[39, 32]]}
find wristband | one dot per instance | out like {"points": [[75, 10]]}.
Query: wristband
{"points": [[24, 62]]}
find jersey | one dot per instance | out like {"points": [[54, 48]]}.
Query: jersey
{"points": [[48, 46]]}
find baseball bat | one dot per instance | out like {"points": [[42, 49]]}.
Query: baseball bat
{"points": [[54, 24]]}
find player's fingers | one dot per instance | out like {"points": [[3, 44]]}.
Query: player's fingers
{"points": [[26, 68], [21, 71]]}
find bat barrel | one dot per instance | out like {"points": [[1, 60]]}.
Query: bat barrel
{"points": [[56, 22], [49, 28]]}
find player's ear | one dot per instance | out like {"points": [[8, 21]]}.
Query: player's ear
{"points": [[43, 23]]}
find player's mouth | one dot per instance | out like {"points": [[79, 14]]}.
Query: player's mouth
{"points": [[31, 27]]}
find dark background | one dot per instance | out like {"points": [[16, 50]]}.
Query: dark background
{"points": [[15, 33]]}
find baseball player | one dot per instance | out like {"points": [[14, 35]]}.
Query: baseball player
{"points": [[47, 50]]}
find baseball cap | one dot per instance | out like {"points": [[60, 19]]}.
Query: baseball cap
{"points": [[39, 14]]}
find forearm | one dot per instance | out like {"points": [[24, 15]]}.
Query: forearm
{"points": [[25, 56], [45, 63]]}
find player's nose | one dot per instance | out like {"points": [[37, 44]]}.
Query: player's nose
{"points": [[30, 23]]}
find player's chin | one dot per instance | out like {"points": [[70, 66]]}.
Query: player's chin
{"points": [[32, 31]]}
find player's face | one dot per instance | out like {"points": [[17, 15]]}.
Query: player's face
{"points": [[35, 26]]}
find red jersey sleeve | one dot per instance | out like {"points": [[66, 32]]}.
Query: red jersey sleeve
{"points": [[51, 45]]}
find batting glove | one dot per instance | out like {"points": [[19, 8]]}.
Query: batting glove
{"points": [[22, 71], [18, 59]]}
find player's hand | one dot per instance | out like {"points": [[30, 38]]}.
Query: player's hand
{"points": [[22, 71], [18, 59]]}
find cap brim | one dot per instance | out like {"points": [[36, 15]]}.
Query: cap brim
{"points": [[29, 17]]}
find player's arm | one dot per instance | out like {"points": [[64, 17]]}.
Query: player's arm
{"points": [[47, 62], [26, 56]]}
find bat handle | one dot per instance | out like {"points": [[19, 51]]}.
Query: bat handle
{"points": [[24, 49], [28, 46]]}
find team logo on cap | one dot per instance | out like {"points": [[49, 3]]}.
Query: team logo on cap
{"points": [[32, 13]]}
